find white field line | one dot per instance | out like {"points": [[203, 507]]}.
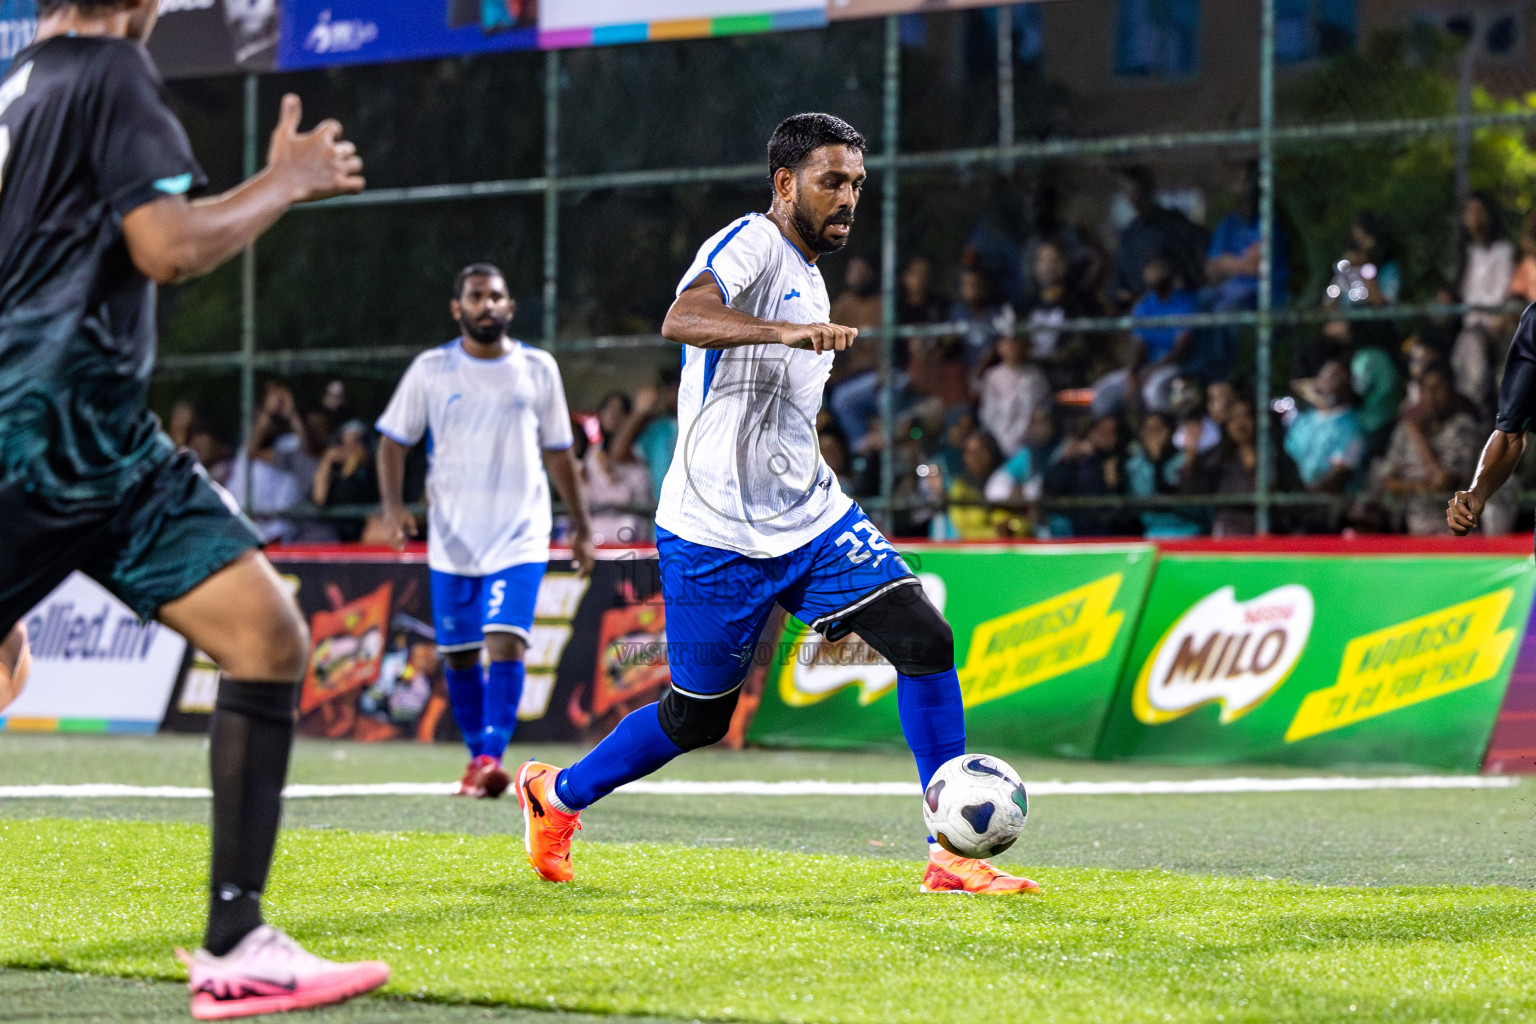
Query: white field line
{"points": [[812, 787]]}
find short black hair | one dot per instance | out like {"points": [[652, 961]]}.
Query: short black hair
{"points": [[797, 137], [475, 270]]}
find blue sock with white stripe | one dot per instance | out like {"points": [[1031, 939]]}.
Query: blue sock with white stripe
{"points": [[466, 692], [932, 719], [632, 751], [503, 692]]}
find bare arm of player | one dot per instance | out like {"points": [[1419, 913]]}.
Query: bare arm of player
{"points": [[396, 519], [172, 239], [1500, 457], [561, 465], [700, 317], [15, 663]]}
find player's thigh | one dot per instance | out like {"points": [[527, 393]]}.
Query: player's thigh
{"points": [[457, 610], [510, 599], [245, 619], [716, 603], [847, 568]]}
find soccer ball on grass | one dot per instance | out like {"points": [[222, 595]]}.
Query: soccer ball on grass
{"points": [[975, 806]]}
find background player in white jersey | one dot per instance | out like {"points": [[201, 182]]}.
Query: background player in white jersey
{"points": [[751, 516], [494, 412]]}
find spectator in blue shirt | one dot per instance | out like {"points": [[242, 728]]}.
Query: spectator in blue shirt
{"points": [[1162, 350], [1327, 442], [1232, 261]]}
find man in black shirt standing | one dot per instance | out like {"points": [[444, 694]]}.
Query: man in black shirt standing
{"points": [[95, 175], [1517, 409]]}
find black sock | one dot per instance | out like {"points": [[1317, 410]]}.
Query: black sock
{"points": [[248, 744]]}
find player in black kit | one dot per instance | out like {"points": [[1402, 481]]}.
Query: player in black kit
{"points": [[1517, 409], [95, 179]]}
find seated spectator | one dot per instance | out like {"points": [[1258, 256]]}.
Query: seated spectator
{"points": [[1152, 231], [618, 483], [917, 302], [959, 425], [1153, 467], [1163, 349], [1434, 450], [858, 304], [984, 315], [1374, 376], [275, 462], [1089, 466], [1327, 441], [336, 404], [1232, 260], [1367, 274], [1229, 468], [1052, 301], [856, 399], [1187, 409], [1022, 477], [1219, 396], [1010, 392], [650, 431], [346, 476], [966, 516]]}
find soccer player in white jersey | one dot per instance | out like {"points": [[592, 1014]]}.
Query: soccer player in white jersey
{"points": [[493, 409], [751, 516]]}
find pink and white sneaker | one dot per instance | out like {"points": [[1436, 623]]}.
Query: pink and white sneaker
{"points": [[269, 973]]}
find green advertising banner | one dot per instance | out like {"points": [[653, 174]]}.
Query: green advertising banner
{"points": [[1041, 638], [1321, 660]]}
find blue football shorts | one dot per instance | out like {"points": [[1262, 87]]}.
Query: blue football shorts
{"points": [[717, 601]]}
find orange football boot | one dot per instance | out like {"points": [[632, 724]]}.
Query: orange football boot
{"points": [[950, 873], [547, 830]]}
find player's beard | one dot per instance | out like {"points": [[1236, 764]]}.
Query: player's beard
{"points": [[485, 334], [812, 233]]}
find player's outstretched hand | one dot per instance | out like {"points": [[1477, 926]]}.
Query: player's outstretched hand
{"points": [[398, 524], [318, 163], [818, 337], [1462, 512]]}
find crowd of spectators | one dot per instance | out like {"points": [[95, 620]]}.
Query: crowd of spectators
{"points": [[1008, 423]]}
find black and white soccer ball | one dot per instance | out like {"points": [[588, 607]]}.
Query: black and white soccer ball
{"points": [[975, 805]]}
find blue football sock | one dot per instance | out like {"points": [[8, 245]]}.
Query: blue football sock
{"points": [[503, 692], [632, 751], [466, 692], [932, 719]]}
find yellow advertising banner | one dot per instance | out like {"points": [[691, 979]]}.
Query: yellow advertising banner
{"points": [[1417, 660], [1041, 641]]}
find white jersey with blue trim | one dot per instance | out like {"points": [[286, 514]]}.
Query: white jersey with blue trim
{"points": [[748, 474], [488, 422]]}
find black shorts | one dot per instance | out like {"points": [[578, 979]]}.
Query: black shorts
{"points": [[173, 529]]}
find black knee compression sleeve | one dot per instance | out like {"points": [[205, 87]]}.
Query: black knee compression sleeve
{"points": [[694, 722], [908, 631]]}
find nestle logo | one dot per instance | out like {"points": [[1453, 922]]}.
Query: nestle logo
{"points": [[1272, 613]]}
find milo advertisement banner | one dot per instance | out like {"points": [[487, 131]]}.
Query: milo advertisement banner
{"points": [[1319, 660], [1041, 638]]}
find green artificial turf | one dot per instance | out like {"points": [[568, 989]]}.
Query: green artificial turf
{"points": [[1388, 837], [689, 932]]}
